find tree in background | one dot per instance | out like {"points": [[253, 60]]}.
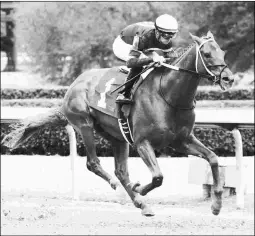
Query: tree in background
{"points": [[83, 33], [232, 23], [66, 38], [236, 30]]}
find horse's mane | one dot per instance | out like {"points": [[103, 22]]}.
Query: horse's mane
{"points": [[180, 52]]}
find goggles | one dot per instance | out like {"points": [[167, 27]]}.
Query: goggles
{"points": [[167, 35]]}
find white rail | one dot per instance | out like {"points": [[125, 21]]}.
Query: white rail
{"points": [[73, 158], [239, 168]]}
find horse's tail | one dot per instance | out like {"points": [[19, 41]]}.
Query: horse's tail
{"points": [[27, 127]]}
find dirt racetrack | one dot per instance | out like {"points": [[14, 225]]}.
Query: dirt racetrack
{"points": [[36, 200], [24, 214]]}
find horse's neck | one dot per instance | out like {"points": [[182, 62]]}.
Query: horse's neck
{"points": [[179, 88]]}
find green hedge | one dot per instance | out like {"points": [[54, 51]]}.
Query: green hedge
{"points": [[52, 141], [8, 93], [211, 93], [54, 102], [38, 102]]}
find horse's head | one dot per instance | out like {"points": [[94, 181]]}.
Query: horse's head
{"points": [[210, 60]]}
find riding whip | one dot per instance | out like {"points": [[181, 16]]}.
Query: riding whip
{"points": [[147, 68]]}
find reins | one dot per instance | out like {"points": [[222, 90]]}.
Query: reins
{"points": [[211, 75], [198, 53]]}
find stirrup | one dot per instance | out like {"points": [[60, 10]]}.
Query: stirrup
{"points": [[122, 99]]}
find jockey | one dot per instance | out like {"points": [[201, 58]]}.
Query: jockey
{"points": [[135, 39]]}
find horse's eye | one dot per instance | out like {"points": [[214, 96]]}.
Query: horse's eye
{"points": [[207, 55]]}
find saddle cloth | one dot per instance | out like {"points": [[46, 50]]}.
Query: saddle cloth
{"points": [[105, 101]]}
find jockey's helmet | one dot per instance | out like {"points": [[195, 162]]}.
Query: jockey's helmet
{"points": [[166, 28], [166, 23]]}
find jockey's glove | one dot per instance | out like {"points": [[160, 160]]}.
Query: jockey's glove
{"points": [[158, 59]]}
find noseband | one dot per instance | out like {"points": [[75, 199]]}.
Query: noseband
{"points": [[215, 78]]}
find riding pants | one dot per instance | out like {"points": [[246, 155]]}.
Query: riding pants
{"points": [[121, 49]]}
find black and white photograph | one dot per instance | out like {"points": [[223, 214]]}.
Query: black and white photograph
{"points": [[127, 118]]}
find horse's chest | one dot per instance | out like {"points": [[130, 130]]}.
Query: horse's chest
{"points": [[162, 126], [167, 136], [168, 132]]}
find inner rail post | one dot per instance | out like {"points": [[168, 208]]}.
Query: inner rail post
{"points": [[73, 158], [239, 168]]}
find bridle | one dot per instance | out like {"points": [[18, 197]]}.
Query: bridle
{"points": [[212, 76], [215, 78]]}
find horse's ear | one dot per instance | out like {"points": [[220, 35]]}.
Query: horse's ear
{"points": [[195, 38], [210, 35]]}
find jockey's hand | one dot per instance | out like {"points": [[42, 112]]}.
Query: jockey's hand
{"points": [[158, 59]]}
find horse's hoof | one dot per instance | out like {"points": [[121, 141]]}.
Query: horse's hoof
{"points": [[217, 203], [134, 186], [216, 207], [147, 212], [215, 211], [114, 184]]}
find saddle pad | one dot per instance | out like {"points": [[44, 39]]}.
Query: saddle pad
{"points": [[103, 100]]}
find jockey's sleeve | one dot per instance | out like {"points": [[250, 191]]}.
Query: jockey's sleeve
{"points": [[136, 58], [133, 61]]}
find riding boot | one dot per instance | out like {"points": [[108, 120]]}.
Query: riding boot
{"points": [[124, 95]]}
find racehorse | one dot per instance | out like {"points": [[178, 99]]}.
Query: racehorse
{"points": [[162, 115]]}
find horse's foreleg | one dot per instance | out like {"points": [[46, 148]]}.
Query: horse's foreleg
{"points": [[121, 171], [147, 153], [194, 147]]}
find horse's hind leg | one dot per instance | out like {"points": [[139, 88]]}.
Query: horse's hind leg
{"points": [[93, 162], [120, 150], [84, 124], [193, 146]]}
